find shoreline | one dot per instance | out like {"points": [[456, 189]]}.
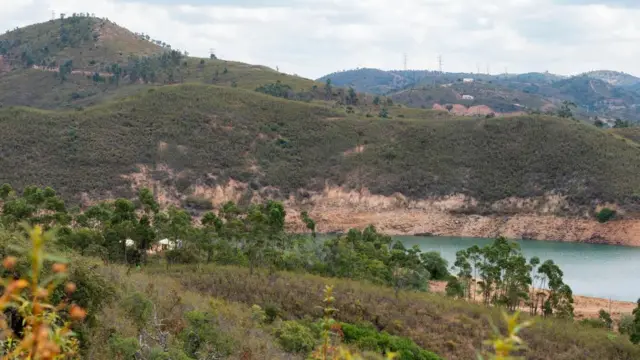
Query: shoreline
{"points": [[437, 223], [585, 307]]}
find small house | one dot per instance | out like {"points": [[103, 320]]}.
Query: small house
{"points": [[467, 80], [467, 97]]}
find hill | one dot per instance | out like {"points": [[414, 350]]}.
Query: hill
{"points": [[80, 61], [88, 42], [196, 134], [614, 77], [605, 94]]}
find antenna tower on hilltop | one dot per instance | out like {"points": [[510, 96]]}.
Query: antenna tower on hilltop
{"points": [[53, 14], [440, 64], [405, 61]]}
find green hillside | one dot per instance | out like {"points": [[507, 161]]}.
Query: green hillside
{"points": [[81, 61], [88, 42], [220, 133]]}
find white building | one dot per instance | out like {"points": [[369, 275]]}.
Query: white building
{"points": [[467, 80], [467, 97]]}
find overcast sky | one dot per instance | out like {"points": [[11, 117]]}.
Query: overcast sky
{"points": [[314, 37]]}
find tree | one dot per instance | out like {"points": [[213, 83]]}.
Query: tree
{"points": [[435, 265], [598, 123], [605, 317], [384, 113], [376, 100], [352, 97], [634, 332], [449, 107], [309, 223], [328, 91], [565, 109], [621, 124], [406, 269]]}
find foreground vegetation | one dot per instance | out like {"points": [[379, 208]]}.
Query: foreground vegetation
{"points": [[236, 285]]}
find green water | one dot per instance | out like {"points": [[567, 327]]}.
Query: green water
{"points": [[604, 271]]}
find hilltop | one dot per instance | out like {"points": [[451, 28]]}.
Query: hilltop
{"points": [[604, 94], [80, 61]]}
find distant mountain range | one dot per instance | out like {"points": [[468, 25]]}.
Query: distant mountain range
{"points": [[604, 94]]}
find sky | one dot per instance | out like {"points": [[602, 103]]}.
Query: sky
{"points": [[312, 38]]}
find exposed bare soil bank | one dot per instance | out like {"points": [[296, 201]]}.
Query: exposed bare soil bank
{"points": [[337, 210]]}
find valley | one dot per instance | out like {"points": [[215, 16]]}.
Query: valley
{"points": [[203, 208]]}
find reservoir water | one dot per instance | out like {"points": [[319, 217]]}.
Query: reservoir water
{"points": [[604, 271]]}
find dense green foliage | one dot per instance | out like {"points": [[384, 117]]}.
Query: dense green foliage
{"points": [[605, 215], [501, 275], [367, 337]]}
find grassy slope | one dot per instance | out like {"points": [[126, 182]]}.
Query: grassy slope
{"points": [[42, 89], [452, 329], [632, 134], [93, 44], [222, 132]]}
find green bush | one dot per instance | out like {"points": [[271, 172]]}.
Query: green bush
{"points": [[294, 337], [139, 309], [605, 215], [202, 338], [366, 337], [123, 348], [271, 313], [625, 326]]}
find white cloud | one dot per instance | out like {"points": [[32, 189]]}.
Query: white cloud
{"points": [[315, 37]]}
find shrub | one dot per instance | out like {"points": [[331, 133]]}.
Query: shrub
{"points": [[202, 338], [366, 337], [123, 348], [605, 215], [198, 202], [271, 313], [625, 325], [295, 337], [454, 288], [139, 309]]}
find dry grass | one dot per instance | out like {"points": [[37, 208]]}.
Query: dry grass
{"points": [[172, 301], [452, 329]]}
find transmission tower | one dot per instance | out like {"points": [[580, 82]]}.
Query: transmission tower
{"points": [[405, 61], [53, 14], [440, 64]]}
